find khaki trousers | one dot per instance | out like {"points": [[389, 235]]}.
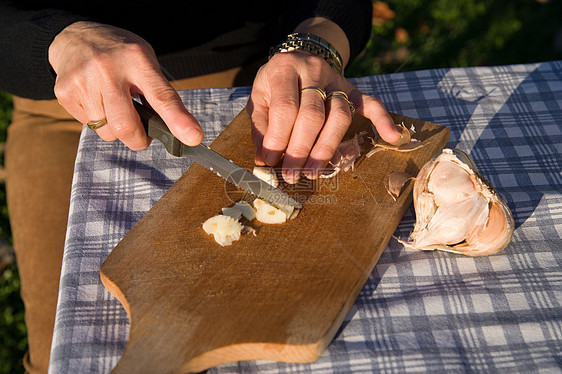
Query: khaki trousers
{"points": [[39, 161]]}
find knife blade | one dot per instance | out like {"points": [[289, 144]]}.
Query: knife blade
{"points": [[156, 128]]}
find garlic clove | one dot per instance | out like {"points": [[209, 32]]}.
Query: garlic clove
{"points": [[494, 236], [452, 223], [287, 209], [266, 174], [267, 213]]}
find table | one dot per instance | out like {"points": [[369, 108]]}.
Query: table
{"points": [[418, 311]]}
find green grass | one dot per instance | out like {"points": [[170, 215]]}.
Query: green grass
{"points": [[13, 341], [460, 33], [420, 35]]}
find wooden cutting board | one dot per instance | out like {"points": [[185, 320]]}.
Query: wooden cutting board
{"points": [[279, 295]]}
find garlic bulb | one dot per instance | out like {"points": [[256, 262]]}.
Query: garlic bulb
{"points": [[457, 210]]}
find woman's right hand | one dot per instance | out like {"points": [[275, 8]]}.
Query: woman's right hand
{"points": [[99, 67]]}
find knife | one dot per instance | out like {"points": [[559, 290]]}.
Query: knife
{"points": [[205, 156]]}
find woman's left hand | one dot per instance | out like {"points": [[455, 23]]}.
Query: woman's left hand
{"points": [[300, 125]]}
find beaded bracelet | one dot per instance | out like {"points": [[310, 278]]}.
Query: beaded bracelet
{"points": [[313, 44]]}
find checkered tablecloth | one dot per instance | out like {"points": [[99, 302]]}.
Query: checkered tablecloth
{"points": [[418, 311]]}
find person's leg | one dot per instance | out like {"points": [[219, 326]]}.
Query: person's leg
{"points": [[39, 160]]}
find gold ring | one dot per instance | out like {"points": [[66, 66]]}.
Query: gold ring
{"points": [[342, 95], [317, 89], [94, 125]]}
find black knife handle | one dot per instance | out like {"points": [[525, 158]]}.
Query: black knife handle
{"points": [[156, 128]]}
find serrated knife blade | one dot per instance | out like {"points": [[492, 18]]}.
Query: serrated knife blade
{"points": [[206, 157]]}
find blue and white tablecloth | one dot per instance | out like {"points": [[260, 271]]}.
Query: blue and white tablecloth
{"points": [[418, 311]]}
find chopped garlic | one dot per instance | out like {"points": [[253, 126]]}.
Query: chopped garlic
{"points": [[258, 203], [287, 209], [266, 174], [267, 213], [224, 229]]}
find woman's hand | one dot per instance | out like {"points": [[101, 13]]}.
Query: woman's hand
{"points": [[99, 67], [299, 125]]}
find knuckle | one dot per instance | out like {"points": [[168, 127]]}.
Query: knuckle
{"points": [[299, 151], [341, 117], [285, 111], [372, 100], [65, 89], [325, 151], [163, 97], [312, 115], [135, 48], [63, 95], [122, 129], [285, 103], [275, 140], [128, 134]]}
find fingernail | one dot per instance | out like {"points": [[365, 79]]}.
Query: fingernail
{"points": [[271, 158], [291, 176], [398, 134], [312, 169]]}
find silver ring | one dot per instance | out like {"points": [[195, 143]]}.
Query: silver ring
{"points": [[94, 125], [317, 89], [342, 95]]}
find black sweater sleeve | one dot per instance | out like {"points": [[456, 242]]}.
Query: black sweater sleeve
{"points": [[25, 36], [188, 36], [353, 16]]}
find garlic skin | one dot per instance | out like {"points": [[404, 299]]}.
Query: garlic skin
{"points": [[406, 143], [457, 210], [396, 182]]}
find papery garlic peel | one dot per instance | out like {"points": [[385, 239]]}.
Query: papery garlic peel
{"points": [[406, 143], [457, 210]]}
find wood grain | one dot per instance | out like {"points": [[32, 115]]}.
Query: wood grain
{"points": [[280, 295]]}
